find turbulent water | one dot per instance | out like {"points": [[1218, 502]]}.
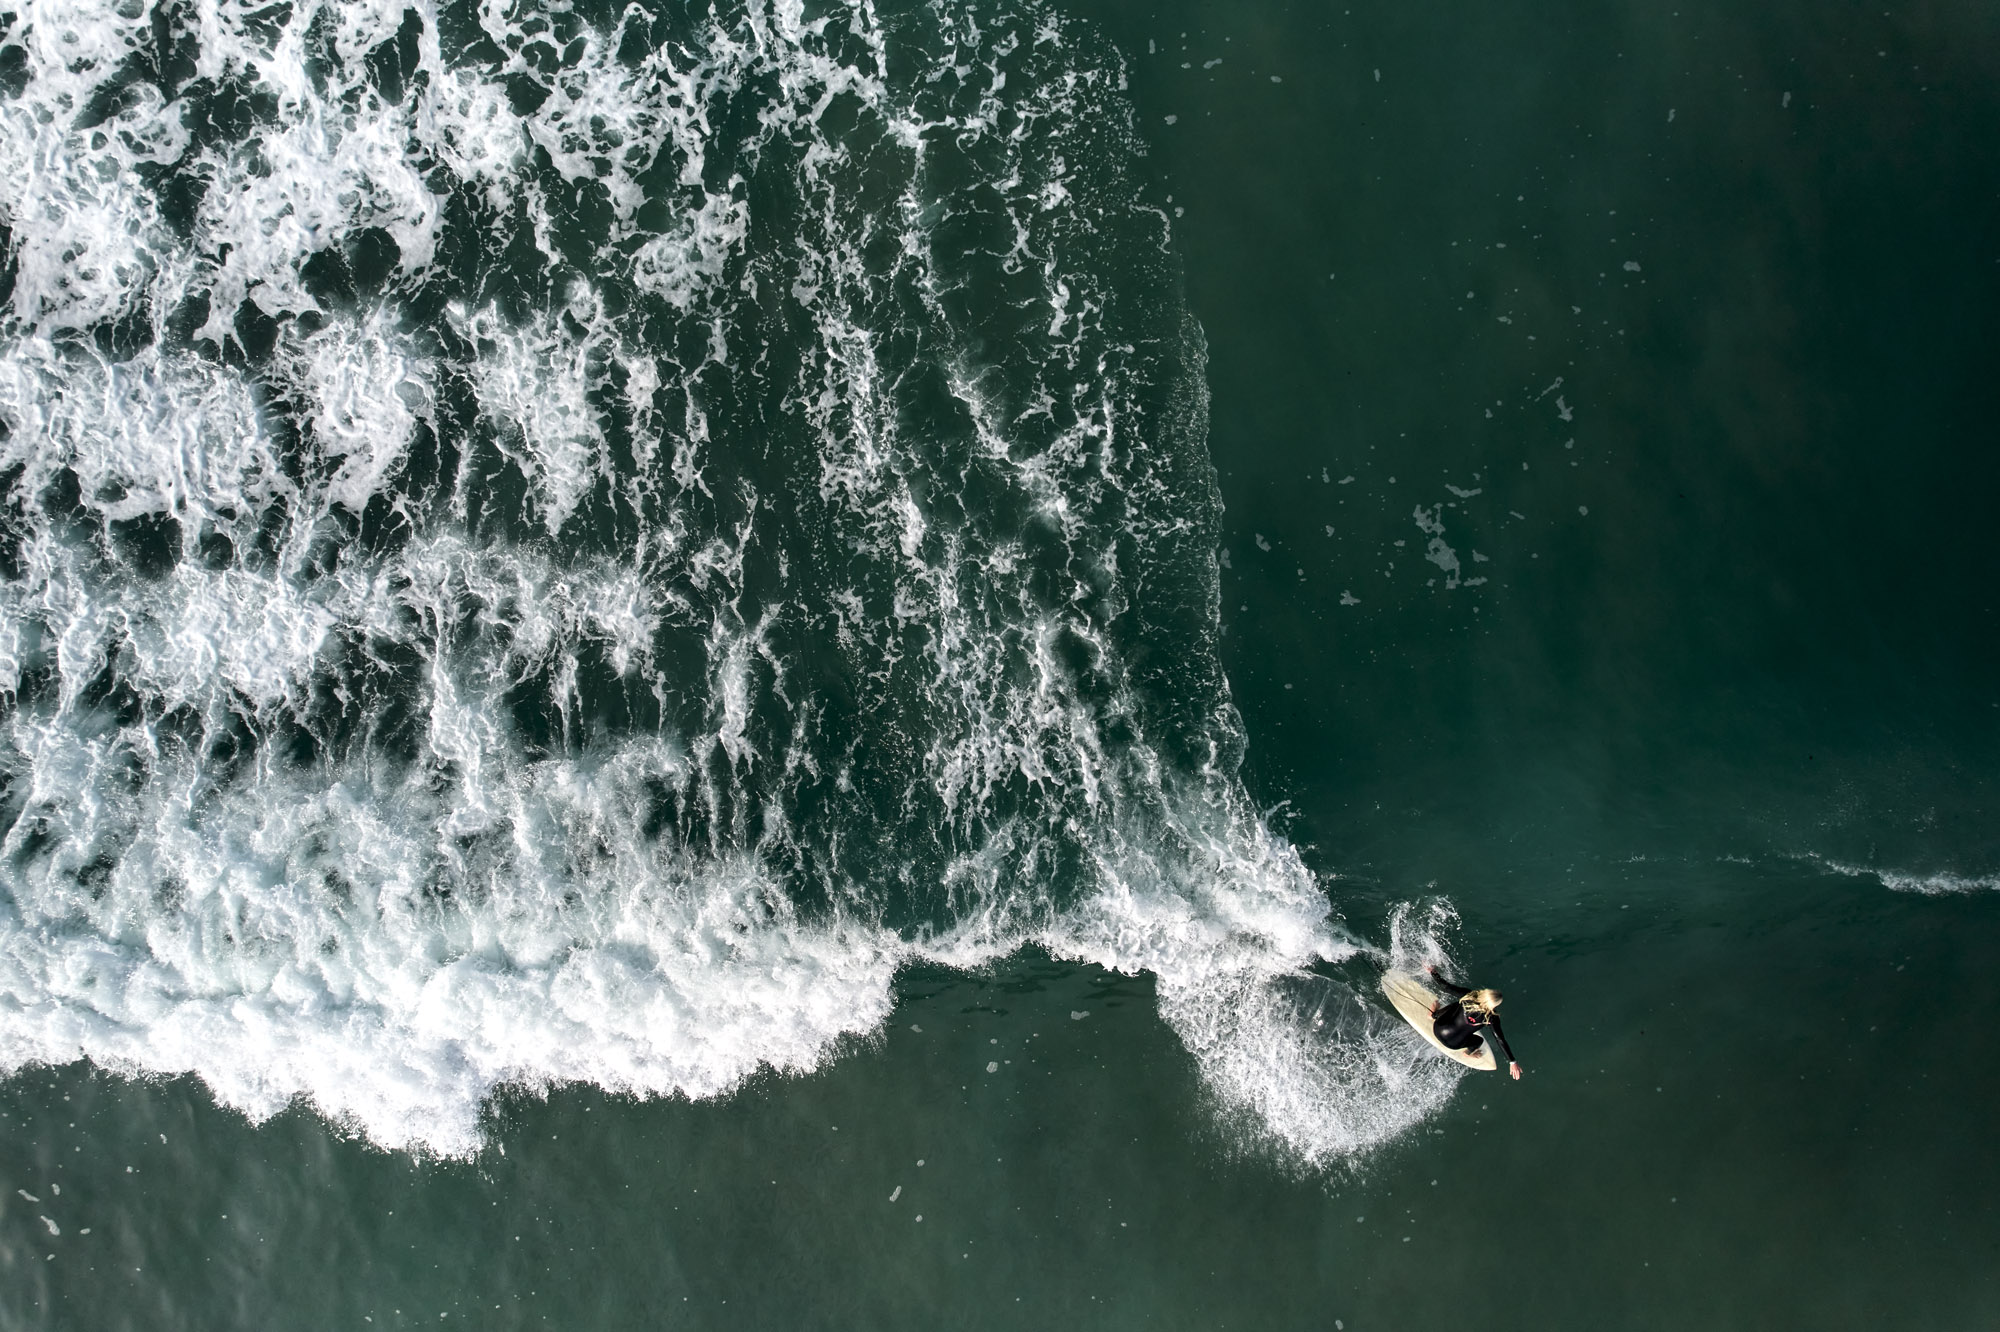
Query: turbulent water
{"points": [[569, 544]]}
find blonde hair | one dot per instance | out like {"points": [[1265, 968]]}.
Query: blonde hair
{"points": [[1480, 1002]]}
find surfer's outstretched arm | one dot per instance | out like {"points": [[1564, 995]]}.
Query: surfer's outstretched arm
{"points": [[1500, 1039]]}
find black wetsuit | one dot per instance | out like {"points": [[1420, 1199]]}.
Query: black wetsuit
{"points": [[1458, 1032]]}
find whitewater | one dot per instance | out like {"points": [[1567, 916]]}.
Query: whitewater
{"points": [[567, 544]]}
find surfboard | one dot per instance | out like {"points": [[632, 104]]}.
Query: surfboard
{"points": [[1413, 999]]}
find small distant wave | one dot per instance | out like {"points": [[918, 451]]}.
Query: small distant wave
{"points": [[1935, 884]]}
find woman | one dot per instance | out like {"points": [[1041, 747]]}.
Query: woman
{"points": [[1457, 1022]]}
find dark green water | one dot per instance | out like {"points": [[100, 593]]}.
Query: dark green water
{"points": [[1706, 766]]}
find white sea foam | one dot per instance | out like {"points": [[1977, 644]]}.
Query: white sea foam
{"points": [[326, 174], [317, 803], [535, 381], [680, 264], [399, 1015], [369, 390]]}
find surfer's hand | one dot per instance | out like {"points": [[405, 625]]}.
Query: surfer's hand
{"points": [[1515, 1069]]}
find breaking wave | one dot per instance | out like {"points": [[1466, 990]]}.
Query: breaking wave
{"points": [[569, 543]]}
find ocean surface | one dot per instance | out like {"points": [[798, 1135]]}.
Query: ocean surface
{"points": [[776, 665]]}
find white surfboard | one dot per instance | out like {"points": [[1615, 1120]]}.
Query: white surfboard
{"points": [[1414, 1000]]}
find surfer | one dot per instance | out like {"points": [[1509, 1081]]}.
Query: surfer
{"points": [[1457, 1022]]}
